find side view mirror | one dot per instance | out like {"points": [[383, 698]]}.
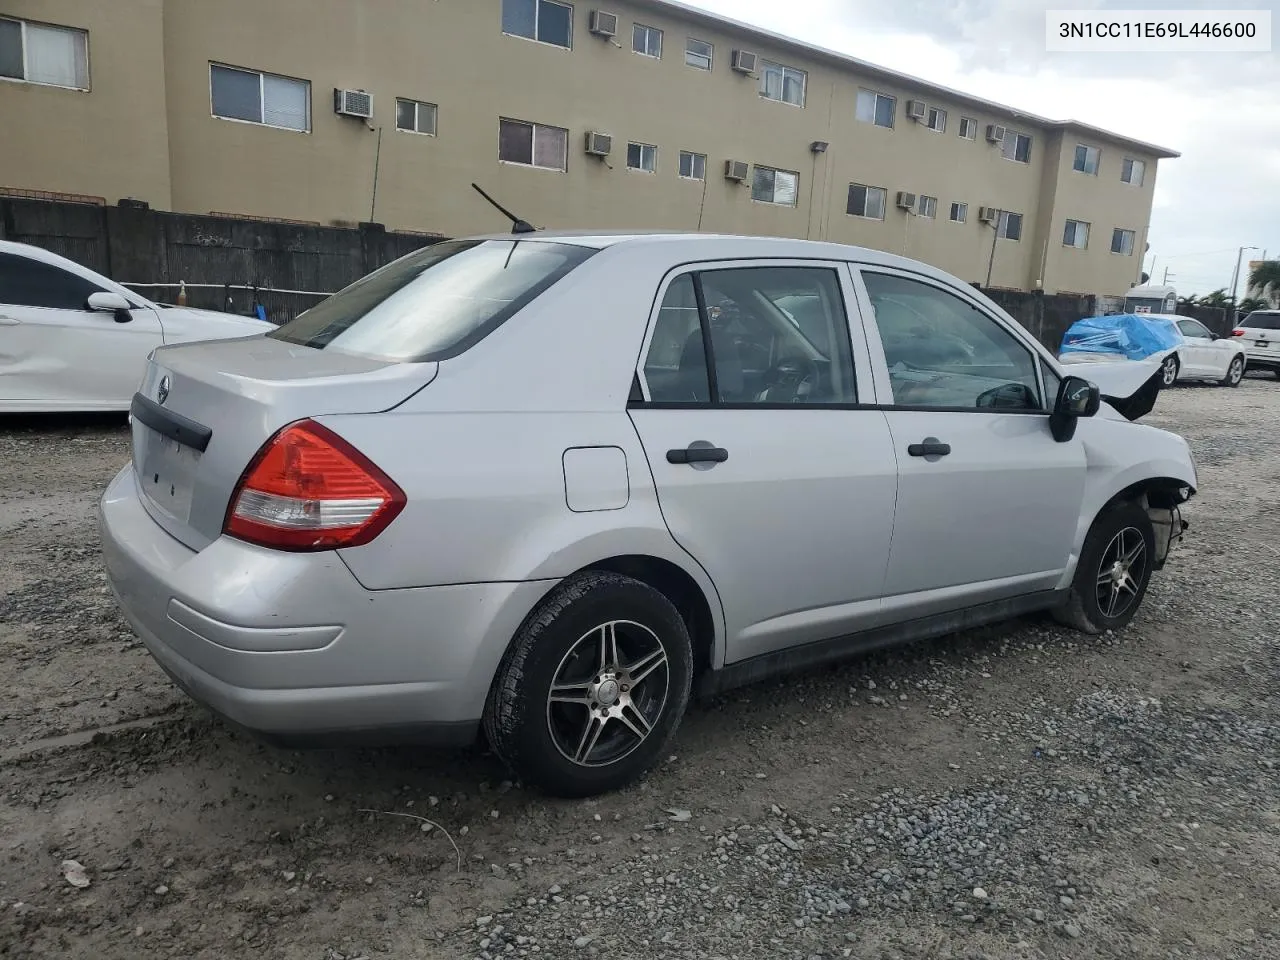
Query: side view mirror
{"points": [[1077, 398], [106, 302]]}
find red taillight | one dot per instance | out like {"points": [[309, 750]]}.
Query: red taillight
{"points": [[1237, 332], [308, 489]]}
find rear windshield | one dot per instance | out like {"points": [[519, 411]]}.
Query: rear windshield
{"points": [[434, 303], [1262, 321]]}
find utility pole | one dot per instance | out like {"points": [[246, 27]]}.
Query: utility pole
{"points": [[1166, 277], [1235, 280]]}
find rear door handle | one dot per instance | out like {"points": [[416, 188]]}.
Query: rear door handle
{"points": [[698, 455], [929, 447]]}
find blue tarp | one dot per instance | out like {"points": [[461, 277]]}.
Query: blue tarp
{"points": [[1125, 334]]}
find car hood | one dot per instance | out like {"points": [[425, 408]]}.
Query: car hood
{"points": [[1130, 386], [184, 324]]}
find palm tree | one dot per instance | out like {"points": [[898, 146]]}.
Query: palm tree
{"points": [[1191, 301], [1249, 304], [1218, 298], [1265, 278]]}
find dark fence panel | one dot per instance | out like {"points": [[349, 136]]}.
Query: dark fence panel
{"points": [[76, 231], [225, 263]]}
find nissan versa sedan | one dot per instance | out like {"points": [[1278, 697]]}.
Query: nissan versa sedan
{"points": [[549, 486]]}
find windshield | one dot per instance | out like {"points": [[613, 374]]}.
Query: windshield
{"points": [[434, 303], [1262, 321]]}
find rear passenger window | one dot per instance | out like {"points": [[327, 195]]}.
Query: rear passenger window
{"points": [[778, 335], [944, 352], [31, 283]]}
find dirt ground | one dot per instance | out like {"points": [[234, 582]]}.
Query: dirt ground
{"points": [[1020, 791]]}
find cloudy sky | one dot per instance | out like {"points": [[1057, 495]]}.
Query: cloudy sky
{"points": [[1221, 111]]}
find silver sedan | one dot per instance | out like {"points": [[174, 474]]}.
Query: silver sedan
{"points": [[546, 487]]}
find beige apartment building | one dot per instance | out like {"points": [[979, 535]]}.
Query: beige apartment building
{"points": [[623, 114]]}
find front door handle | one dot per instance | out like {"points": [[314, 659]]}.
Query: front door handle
{"points": [[698, 455], [9, 321], [929, 447]]}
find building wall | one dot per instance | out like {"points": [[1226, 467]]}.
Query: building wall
{"points": [[453, 53], [110, 140], [1105, 202]]}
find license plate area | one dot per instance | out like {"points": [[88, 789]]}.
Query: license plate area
{"points": [[166, 472]]}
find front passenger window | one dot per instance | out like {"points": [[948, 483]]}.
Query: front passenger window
{"points": [[943, 352], [25, 282]]}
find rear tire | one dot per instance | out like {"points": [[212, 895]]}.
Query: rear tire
{"points": [[1235, 373], [1113, 572], [1169, 370], [593, 686]]}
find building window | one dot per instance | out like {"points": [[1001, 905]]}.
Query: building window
{"points": [[533, 144], [1016, 146], [937, 120], [876, 108], [927, 207], [1076, 234], [1122, 241], [1010, 227], [264, 98], [866, 201], [968, 128], [1086, 160], [775, 186], [414, 116], [698, 54], [778, 82], [693, 166], [642, 157], [646, 41], [959, 212], [1133, 171], [41, 53], [541, 20]]}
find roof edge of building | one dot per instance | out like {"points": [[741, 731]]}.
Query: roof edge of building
{"points": [[847, 60]]}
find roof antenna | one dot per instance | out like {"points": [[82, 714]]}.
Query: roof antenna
{"points": [[517, 225]]}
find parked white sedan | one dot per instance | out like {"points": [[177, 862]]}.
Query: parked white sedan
{"points": [[1202, 355], [72, 340]]}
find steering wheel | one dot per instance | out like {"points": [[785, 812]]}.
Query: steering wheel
{"points": [[790, 380]]}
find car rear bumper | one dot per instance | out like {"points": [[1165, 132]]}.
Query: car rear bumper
{"points": [[292, 647], [1262, 361]]}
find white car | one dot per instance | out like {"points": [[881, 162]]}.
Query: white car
{"points": [[1202, 355], [1199, 354], [71, 340], [1259, 334]]}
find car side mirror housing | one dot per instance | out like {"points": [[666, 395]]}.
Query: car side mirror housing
{"points": [[106, 302], [1077, 398]]}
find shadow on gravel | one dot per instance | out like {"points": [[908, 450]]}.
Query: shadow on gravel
{"points": [[58, 425]]}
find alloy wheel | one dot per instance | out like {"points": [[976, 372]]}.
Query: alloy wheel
{"points": [[1236, 373], [1121, 572], [608, 693], [1170, 371]]}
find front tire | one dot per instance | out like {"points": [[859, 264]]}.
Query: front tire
{"points": [[1169, 370], [1235, 373], [593, 687], [1113, 572]]}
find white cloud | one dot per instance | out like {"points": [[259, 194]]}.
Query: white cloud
{"points": [[1220, 111]]}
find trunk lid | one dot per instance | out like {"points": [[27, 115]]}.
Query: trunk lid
{"points": [[205, 409]]}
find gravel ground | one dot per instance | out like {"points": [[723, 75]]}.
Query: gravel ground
{"points": [[1019, 791]]}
